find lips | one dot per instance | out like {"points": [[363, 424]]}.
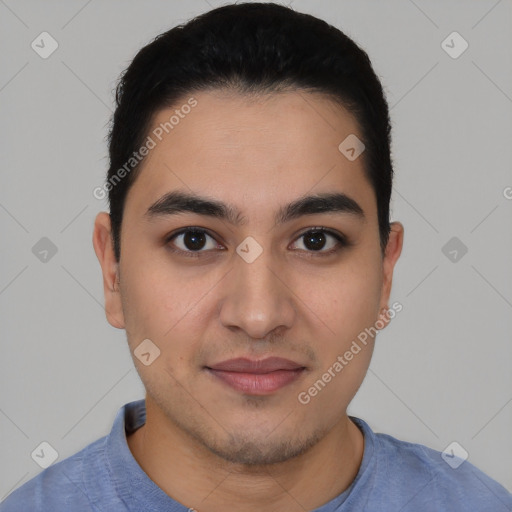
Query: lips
{"points": [[257, 377], [243, 365]]}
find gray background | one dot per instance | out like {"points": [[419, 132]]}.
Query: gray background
{"points": [[441, 370]]}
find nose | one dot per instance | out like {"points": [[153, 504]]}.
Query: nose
{"points": [[257, 298]]}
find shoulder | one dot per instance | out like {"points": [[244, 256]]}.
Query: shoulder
{"points": [[60, 487], [85, 481], [426, 479]]}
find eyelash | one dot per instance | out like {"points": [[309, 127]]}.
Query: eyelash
{"points": [[341, 239]]}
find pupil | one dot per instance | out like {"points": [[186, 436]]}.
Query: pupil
{"points": [[194, 240], [315, 240]]}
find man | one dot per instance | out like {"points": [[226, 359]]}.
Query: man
{"points": [[249, 256]]}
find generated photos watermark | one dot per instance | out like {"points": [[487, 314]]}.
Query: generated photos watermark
{"points": [[150, 143], [304, 397]]}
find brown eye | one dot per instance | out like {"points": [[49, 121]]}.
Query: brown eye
{"points": [[192, 240], [315, 240], [322, 241]]}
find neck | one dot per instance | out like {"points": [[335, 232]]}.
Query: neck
{"points": [[195, 477]]}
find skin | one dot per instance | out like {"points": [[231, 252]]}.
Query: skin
{"points": [[205, 444]]}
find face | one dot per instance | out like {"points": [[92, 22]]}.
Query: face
{"points": [[299, 283]]}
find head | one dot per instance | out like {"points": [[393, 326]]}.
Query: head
{"points": [[244, 222]]}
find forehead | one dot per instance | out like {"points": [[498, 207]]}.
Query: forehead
{"points": [[255, 152]]}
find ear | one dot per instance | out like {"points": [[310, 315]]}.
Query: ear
{"points": [[391, 255], [102, 242]]}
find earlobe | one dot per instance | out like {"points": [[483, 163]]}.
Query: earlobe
{"points": [[102, 242], [383, 319]]}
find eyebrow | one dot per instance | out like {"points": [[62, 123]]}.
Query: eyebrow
{"points": [[177, 202]]}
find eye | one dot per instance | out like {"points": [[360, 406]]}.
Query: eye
{"points": [[192, 240], [322, 241]]}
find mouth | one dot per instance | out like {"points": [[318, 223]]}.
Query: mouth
{"points": [[257, 377]]}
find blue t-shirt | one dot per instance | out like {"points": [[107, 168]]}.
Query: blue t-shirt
{"points": [[394, 476]]}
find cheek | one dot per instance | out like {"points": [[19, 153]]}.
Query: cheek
{"points": [[348, 305], [346, 299], [165, 306]]}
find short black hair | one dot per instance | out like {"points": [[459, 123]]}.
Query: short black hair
{"points": [[251, 48]]}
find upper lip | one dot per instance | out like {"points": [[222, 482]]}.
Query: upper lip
{"points": [[245, 365]]}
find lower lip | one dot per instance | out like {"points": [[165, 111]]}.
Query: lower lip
{"points": [[258, 383]]}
